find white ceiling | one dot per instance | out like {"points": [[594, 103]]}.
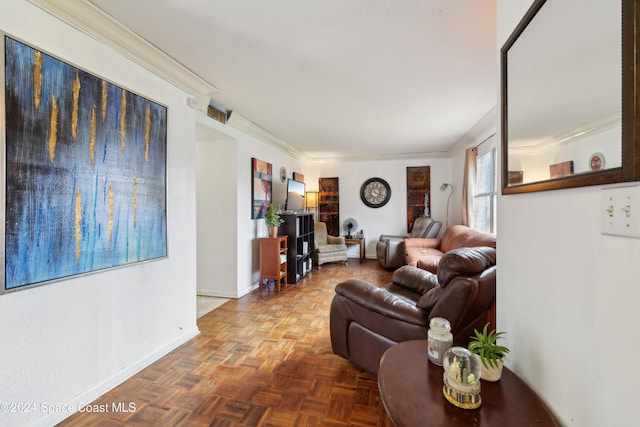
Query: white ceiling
{"points": [[335, 78]]}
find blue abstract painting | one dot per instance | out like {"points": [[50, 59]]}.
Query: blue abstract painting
{"points": [[85, 171]]}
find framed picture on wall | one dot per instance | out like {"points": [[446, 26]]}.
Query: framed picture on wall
{"points": [[418, 193], [560, 170], [261, 175]]}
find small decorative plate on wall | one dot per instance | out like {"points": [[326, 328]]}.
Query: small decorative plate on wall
{"points": [[596, 161], [283, 174], [375, 192]]}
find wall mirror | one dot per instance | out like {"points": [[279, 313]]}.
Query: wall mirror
{"points": [[569, 103]]}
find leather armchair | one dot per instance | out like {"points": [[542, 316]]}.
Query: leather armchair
{"points": [[390, 248], [328, 248], [365, 320]]}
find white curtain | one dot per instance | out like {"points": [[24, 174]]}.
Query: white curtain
{"points": [[468, 185]]}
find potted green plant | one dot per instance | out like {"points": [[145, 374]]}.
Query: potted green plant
{"points": [[273, 220], [484, 345]]}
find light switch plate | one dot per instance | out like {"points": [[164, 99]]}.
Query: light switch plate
{"points": [[620, 211]]}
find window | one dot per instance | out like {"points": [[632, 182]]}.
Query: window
{"points": [[484, 198]]}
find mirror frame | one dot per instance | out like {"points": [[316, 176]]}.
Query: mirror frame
{"points": [[630, 169]]}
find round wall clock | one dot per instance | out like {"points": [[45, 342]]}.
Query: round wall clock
{"points": [[375, 192]]}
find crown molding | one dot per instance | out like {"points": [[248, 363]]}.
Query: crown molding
{"points": [[89, 19], [484, 129], [246, 126], [94, 22], [359, 158], [566, 138]]}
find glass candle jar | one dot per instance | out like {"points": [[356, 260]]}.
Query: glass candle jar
{"points": [[439, 339]]}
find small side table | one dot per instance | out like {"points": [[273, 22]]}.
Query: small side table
{"points": [[360, 242], [411, 391], [273, 261]]}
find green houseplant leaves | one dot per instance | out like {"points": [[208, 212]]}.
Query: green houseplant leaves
{"points": [[484, 345]]}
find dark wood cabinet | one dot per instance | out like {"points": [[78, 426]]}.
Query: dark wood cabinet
{"points": [[329, 204], [300, 242]]}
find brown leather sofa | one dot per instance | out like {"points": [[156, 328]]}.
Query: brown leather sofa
{"points": [[426, 253], [365, 320]]}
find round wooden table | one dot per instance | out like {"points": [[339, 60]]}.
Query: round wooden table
{"points": [[411, 391]]}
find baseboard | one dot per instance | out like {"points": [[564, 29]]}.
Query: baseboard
{"points": [[241, 292], [117, 379], [205, 293], [248, 289]]}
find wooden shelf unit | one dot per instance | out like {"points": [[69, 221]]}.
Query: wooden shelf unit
{"points": [[273, 261], [329, 204], [301, 243]]}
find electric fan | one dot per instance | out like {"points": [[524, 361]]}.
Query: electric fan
{"points": [[348, 225]]}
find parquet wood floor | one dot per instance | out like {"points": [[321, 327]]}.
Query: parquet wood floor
{"points": [[262, 360]]}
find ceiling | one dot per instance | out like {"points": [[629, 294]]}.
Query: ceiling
{"points": [[335, 78]]}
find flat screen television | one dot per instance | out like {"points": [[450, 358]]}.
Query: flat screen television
{"points": [[295, 196]]}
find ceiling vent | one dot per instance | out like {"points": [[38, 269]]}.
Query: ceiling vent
{"points": [[217, 113]]}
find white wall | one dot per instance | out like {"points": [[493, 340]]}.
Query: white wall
{"points": [[567, 295], [68, 342], [391, 218], [217, 219], [535, 163], [250, 230], [228, 246], [482, 135]]}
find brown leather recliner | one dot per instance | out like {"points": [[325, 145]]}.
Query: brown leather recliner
{"points": [[390, 248], [365, 320]]}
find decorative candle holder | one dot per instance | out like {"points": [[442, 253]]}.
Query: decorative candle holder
{"points": [[461, 378], [439, 339]]}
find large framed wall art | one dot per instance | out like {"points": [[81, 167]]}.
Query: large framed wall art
{"points": [[85, 171], [418, 193]]}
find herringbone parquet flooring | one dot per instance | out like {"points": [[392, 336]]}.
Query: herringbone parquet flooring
{"points": [[261, 360]]}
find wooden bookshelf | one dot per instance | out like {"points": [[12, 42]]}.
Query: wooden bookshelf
{"points": [[299, 228], [273, 261]]}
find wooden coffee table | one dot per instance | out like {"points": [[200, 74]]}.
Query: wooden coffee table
{"points": [[411, 390]]}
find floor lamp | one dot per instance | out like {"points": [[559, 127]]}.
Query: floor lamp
{"points": [[442, 188], [311, 203]]}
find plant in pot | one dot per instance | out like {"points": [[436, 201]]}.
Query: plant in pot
{"points": [[483, 344], [273, 220]]}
